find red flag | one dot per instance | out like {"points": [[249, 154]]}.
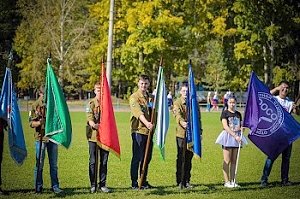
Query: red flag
{"points": [[108, 134]]}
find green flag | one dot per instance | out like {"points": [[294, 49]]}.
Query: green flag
{"points": [[58, 123]]}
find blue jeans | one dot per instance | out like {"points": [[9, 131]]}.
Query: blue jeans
{"points": [[52, 150], [103, 154], [285, 166], [139, 142]]}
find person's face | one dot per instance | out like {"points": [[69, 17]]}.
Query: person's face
{"points": [[143, 85], [231, 103], [184, 91], [284, 88], [97, 91]]}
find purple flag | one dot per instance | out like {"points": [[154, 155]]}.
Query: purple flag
{"points": [[272, 128]]}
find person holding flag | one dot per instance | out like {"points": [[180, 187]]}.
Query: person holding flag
{"points": [[289, 106], [37, 120], [93, 120], [50, 117], [180, 113], [230, 138], [10, 120], [140, 128]]}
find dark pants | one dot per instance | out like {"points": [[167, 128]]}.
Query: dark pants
{"points": [[187, 163], [285, 166], [103, 154], [139, 142], [1, 152]]}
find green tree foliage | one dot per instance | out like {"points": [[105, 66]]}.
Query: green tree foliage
{"points": [[57, 27], [8, 22], [265, 35], [144, 32], [225, 40]]}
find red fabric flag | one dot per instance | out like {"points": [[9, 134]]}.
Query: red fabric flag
{"points": [[108, 134]]}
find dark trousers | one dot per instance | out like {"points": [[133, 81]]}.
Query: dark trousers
{"points": [[1, 152], [187, 163], [139, 142], [103, 154], [285, 165]]}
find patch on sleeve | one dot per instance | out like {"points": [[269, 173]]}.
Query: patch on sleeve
{"points": [[132, 102], [88, 108]]}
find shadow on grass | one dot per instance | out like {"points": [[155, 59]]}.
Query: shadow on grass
{"points": [[159, 190], [214, 188]]}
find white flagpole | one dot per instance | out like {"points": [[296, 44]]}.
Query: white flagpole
{"points": [[237, 159]]}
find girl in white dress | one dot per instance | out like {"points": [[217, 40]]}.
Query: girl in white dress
{"points": [[230, 138]]}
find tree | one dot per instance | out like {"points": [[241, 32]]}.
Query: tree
{"points": [[144, 32], [57, 27]]}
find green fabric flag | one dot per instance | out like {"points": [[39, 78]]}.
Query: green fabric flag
{"points": [[58, 123]]}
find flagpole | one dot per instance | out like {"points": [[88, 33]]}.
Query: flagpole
{"points": [[149, 139], [42, 112], [97, 146], [183, 156], [237, 159], [41, 146], [184, 146]]}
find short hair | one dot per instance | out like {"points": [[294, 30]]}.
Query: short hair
{"points": [[97, 84], [284, 82], [144, 77], [184, 84]]}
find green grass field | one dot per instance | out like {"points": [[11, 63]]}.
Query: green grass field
{"points": [[207, 176]]}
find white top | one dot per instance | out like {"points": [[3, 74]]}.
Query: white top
{"points": [[285, 103]]}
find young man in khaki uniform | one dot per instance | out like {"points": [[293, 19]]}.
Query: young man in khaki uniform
{"points": [[93, 119], [37, 119], [179, 110], [140, 128]]}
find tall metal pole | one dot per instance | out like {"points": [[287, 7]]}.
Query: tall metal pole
{"points": [[110, 43]]}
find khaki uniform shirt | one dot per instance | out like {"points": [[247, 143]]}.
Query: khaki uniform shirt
{"points": [[38, 111], [139, 106], [93, 114], [179, 110]]}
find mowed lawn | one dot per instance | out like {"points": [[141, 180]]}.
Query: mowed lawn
{"points": [[207, 176]]}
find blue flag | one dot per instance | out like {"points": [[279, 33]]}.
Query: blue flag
{"points": [[9, 111], [272, 128], [162, 111], [193, 117]]}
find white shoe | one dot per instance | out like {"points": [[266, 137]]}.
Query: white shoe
{"points": [[234, 184], [228, 184]]}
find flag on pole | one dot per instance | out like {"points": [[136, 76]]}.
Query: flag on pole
{"points": [[58, 123], [272, 128], [193, 134], [9, 111], [107, 134], [162, 111]]}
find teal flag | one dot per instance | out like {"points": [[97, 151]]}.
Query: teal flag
{"points": [[162, 111], [58, 123]]}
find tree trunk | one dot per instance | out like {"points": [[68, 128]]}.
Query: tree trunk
{"points": [[266, 67]]}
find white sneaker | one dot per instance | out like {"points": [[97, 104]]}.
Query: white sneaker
{"points": [[228, 184], [234, 184]]}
